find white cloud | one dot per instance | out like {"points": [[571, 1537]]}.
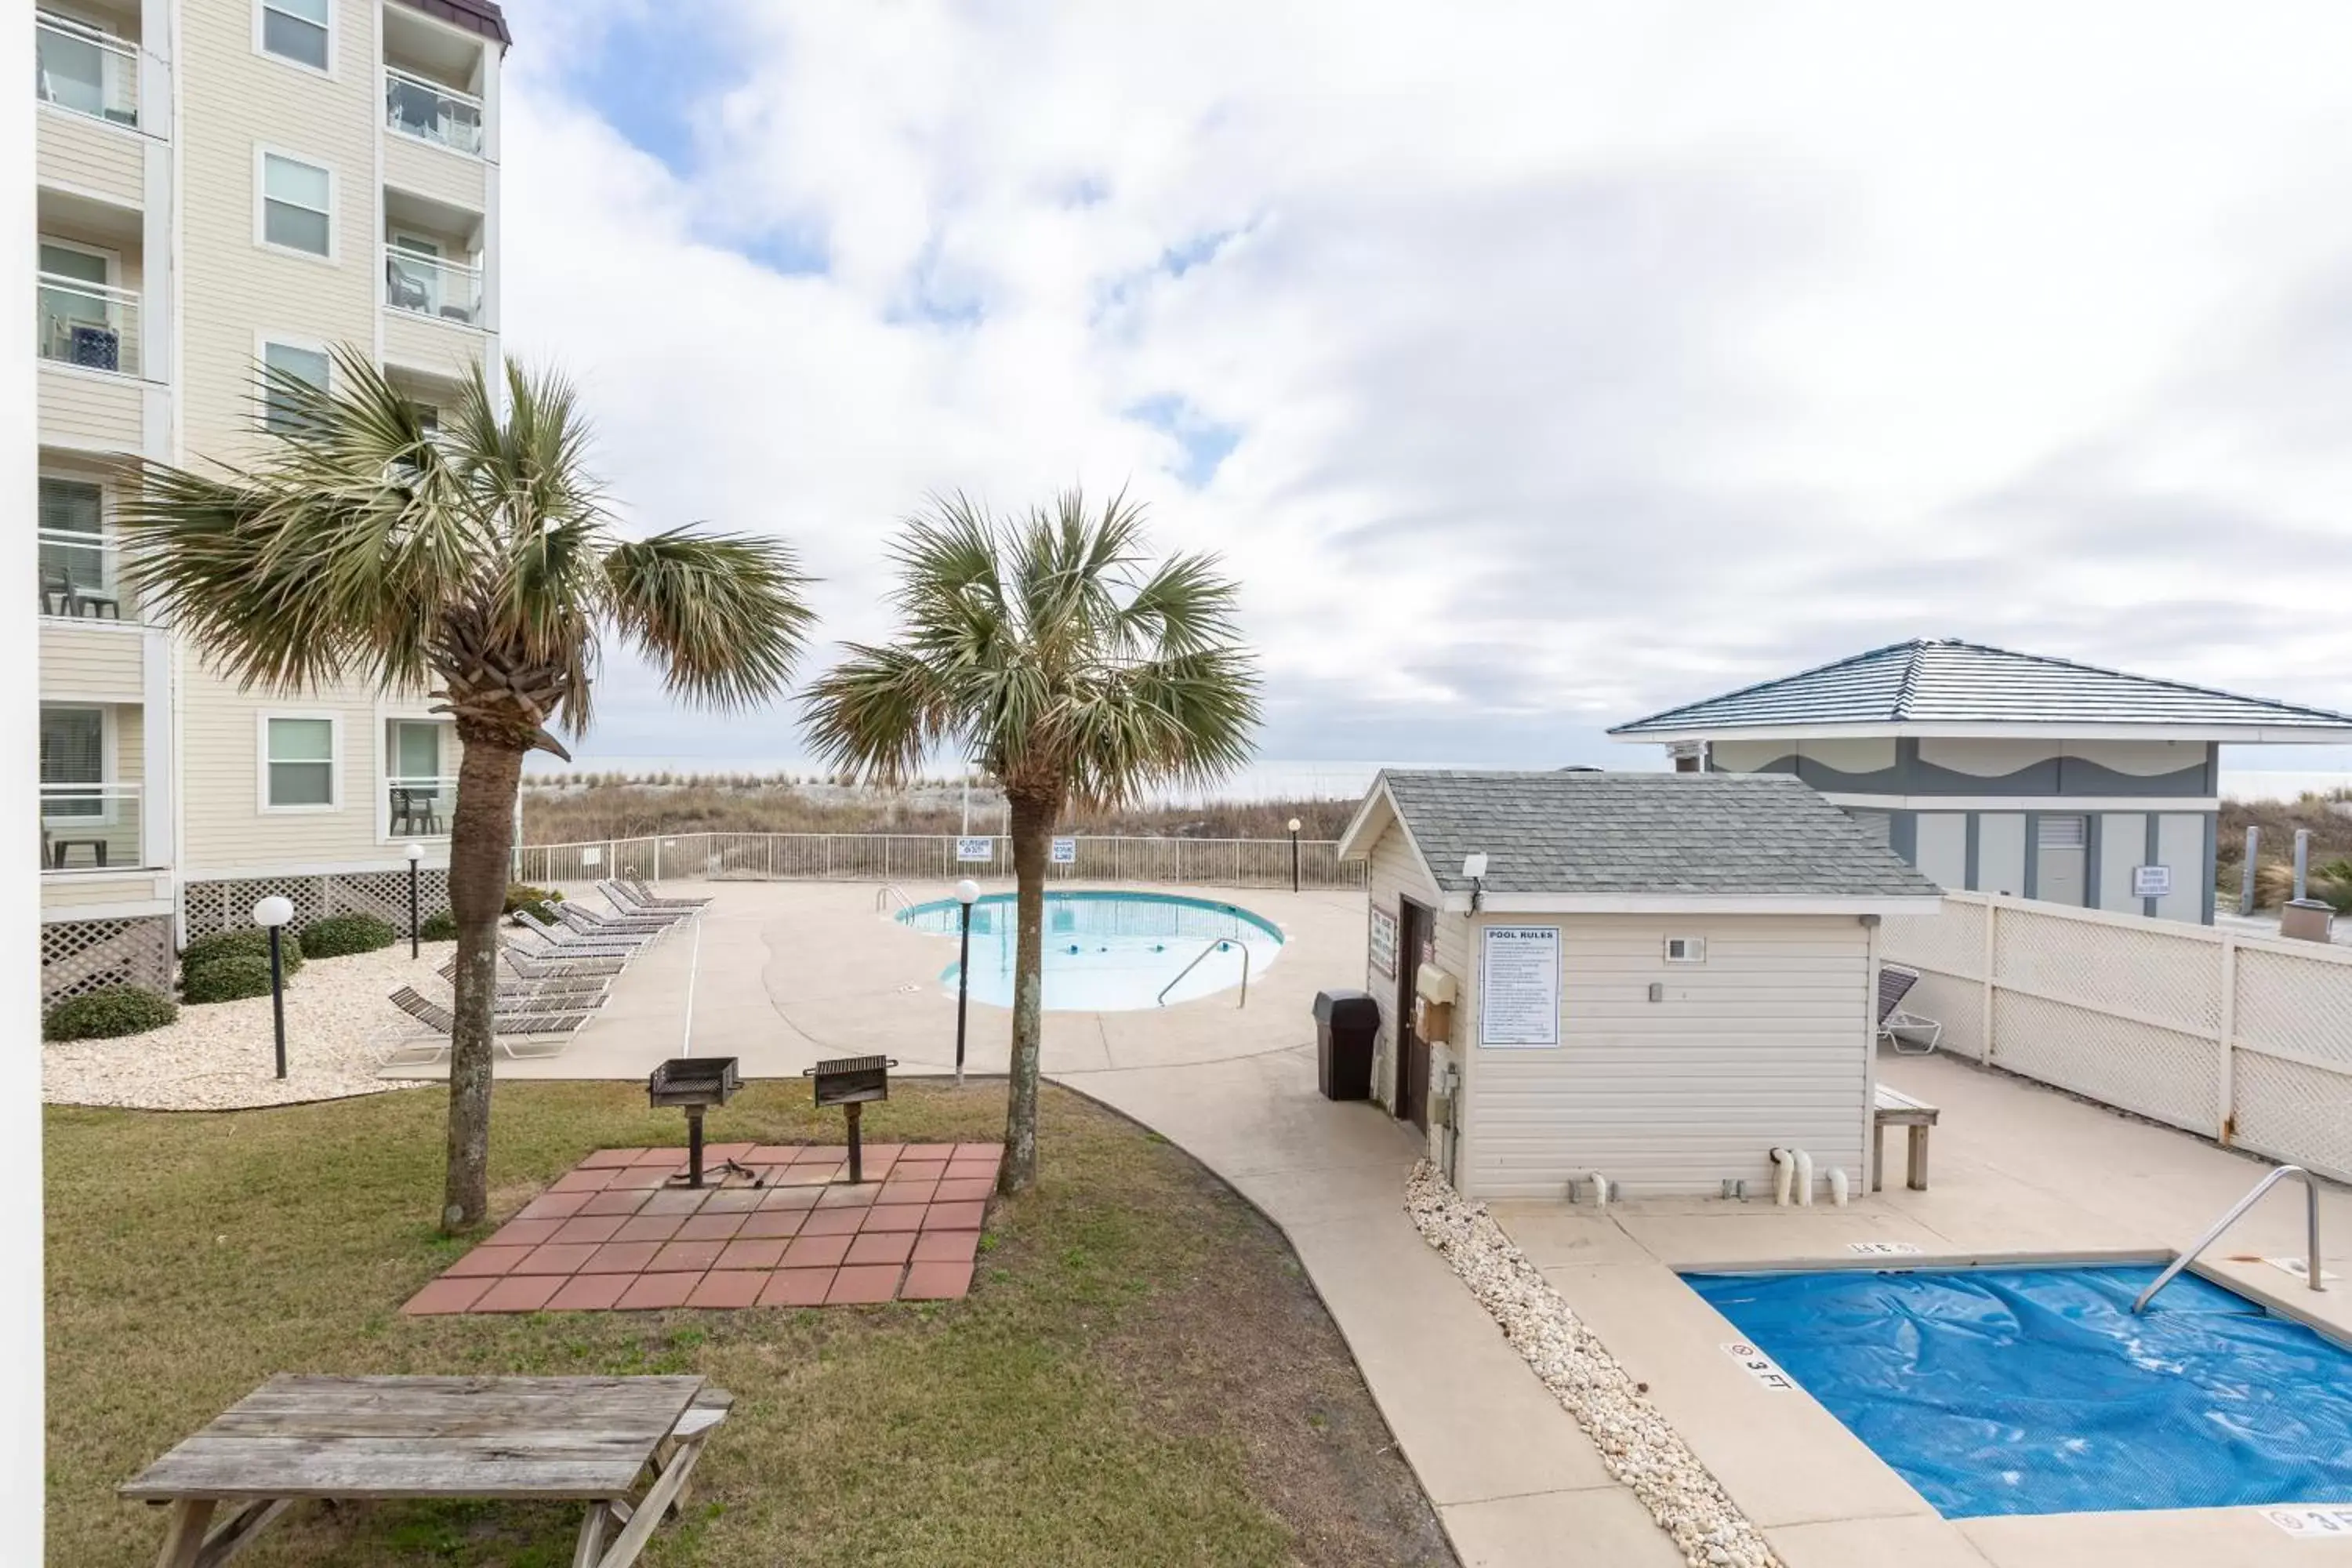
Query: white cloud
{"points": [[1582, 359]]}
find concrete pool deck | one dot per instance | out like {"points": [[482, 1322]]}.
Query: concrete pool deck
{"points": [[781, 974]]}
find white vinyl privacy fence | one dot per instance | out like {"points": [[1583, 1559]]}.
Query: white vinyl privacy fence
{"points": [[931, 857], [2244, 1040]]}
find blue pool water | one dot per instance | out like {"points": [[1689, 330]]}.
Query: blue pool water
{"points": [[1108, 953], [2036, 1391]]}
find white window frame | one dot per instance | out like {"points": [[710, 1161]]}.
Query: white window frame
{"points": [[333, 43], [262, 152], [110, 767], [386, 715], [262, 343], [261, 721]]}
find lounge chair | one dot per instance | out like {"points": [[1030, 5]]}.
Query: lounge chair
{"points": [[570, 943], [1894, 983], [634, 908], [541, 966], [441, 1021], [590, 925], [644, 895], [580, 990]]}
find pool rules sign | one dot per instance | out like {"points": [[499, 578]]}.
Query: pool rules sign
{"points": [[1518, 986]]}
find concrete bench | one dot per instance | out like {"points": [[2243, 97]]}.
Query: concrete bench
{"points": [[1892, 1107]]}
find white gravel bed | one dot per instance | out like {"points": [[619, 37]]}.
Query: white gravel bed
{"points": [[219, 1056], [1635, 1443]]}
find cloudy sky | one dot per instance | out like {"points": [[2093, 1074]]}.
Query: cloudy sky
{"points": [[1533, 367]]}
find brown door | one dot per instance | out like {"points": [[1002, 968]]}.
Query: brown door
{"points": [[1412, 1098]]}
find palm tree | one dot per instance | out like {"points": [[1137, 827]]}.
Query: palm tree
{"points": [[479, 562], [1046, 650]]}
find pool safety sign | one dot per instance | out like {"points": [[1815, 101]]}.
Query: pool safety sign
{"points": [[1518, 986], [975, 849], [2151, 882], [1065, 851], [1759, 1366], [2312, 1524]]}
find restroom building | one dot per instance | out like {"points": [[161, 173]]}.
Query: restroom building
{"points": [[2001, 772]]}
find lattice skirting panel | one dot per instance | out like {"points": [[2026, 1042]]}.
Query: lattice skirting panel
{"points": [[2159, 1073], [81, 956], [229, 905], [2295, 1111]]}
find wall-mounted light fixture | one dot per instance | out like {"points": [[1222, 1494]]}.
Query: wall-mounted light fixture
{"points": [[1474, 865]]}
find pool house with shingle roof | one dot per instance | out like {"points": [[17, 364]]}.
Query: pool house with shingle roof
{"points": [[2011, 773]]}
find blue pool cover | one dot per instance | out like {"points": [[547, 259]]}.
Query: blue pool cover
{"points": [[2037, 1391]]}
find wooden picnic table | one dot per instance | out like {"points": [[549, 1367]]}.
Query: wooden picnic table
{"points": [[479, 1438], [1892, 1107]]}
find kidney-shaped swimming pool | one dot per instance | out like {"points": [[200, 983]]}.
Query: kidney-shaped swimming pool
{"points": [[1110, 951]]}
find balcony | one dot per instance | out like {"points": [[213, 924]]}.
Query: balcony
{"points": [[90, 828], [84, 70], [420, 807], [430, 111], [80, 580], [92, 326], [426, 285]]}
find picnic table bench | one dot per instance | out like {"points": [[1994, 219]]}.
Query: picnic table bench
{"points": [[588, 1439], [1892, 1107]]}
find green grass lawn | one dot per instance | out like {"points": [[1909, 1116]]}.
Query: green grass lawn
{"points": [[1141, 1375]]}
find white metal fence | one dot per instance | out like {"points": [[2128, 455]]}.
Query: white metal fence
{"points": [[931, 857], [2244, 1040]]}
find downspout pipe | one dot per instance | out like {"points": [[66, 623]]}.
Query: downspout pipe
{"points": [[1600, 1188], [1804, 1178], [1838, 1185], [1784, 1167]]}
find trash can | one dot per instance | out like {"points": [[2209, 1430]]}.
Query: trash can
{"points": [[1347, 1022]]}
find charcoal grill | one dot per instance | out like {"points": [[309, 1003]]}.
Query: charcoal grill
{"points": [[695, 1084], [850, 1082]]}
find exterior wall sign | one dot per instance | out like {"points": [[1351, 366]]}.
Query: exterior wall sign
{"points": [[1518, 986], [592, 855], [1065, 851], [2151, 882], [1384, 943], [975, 849], [1759, 1366]]}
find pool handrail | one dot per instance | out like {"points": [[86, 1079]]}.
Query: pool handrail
{"points": [[1161, 1000], [2311, 1237], [884, 893]]}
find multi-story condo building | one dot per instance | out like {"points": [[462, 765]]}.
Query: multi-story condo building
{"points": [[224, 184]]}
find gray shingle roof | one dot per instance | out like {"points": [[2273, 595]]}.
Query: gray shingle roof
{"points": [[1739, 835], [1947, 680]]}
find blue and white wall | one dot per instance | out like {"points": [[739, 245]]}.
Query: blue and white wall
{"points": [[2065, 821]]}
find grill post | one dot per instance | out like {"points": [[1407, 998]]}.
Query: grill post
{"points": [[694, 1146], [857, 1171]]}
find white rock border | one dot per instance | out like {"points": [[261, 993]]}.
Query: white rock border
{"points": [[1636, 1443]]}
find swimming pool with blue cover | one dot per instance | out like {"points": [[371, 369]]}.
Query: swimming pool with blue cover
{"points": [[1108, 951], [2007, 1391]]}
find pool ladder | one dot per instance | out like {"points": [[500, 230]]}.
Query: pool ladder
{"points": [[887, 891], [1161, 1000], [2310, 1240]]}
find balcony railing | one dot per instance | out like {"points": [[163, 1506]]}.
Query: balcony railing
{"points": [[431, 112], [420, 807], [85, 70], [88, 324], [90, 828], [79, 579], [428, 286]]}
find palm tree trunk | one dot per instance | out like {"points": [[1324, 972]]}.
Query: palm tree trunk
{"points": [[1033, 831], [481, 847]]}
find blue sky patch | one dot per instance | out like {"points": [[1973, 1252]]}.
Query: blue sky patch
{"points": [[1207, 444]]}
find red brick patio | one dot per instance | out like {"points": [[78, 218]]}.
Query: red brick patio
{"points": [[612, 1234]]}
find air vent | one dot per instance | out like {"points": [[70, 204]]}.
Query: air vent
{"points": [[2061, 833], [1685, 949]]}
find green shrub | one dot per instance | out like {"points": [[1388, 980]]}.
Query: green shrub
{"points": [[539, 902], [441, 925], [245, 941], [224, 978], [338, 934], [108, 1015]]}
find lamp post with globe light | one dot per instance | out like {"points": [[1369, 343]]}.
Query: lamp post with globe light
{"points": [[416, 853], [966, 891], [272, 914], [1294, 853]]}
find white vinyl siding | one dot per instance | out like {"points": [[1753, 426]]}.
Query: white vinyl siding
{"points": [[1763, 1043], [298, 204]]}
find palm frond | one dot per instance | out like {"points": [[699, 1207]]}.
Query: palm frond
{"points": [[878, 713], [720, 616]]}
